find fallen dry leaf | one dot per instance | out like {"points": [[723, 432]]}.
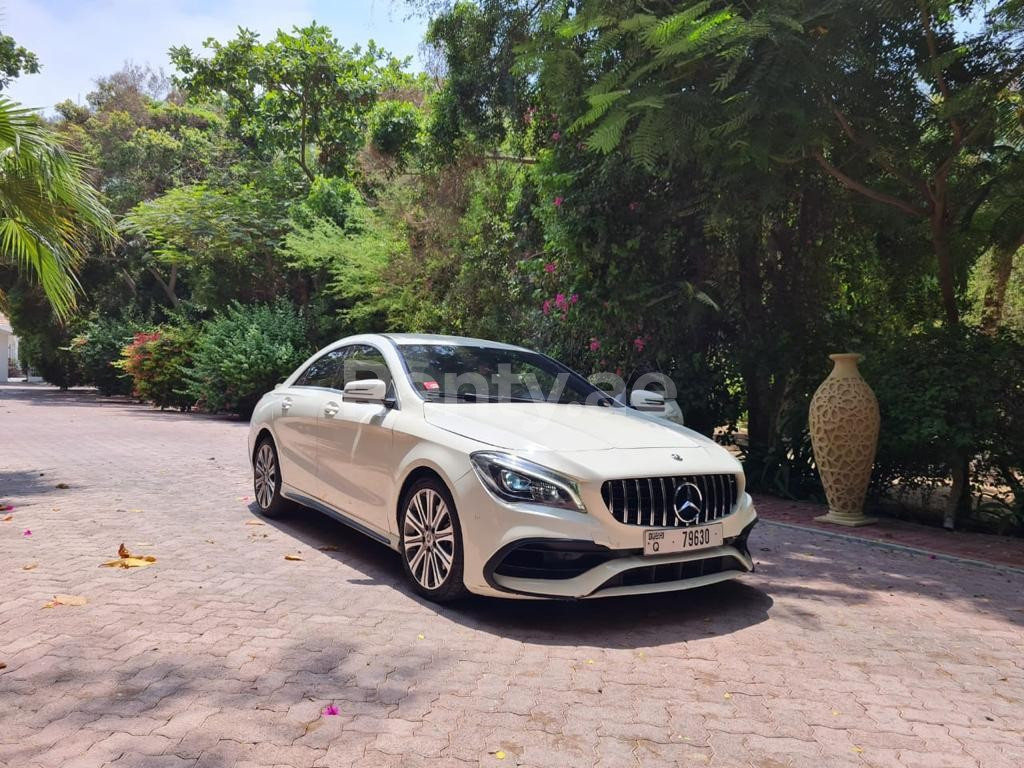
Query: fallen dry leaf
{"points": [[3, 665], [292, 557], [29, 566], [253, 522], [328, 548], [127, 560], [65, 600], [8, 518], [63, 486]]}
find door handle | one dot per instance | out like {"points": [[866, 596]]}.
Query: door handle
{"points": [[286, 404], [331, 409]]}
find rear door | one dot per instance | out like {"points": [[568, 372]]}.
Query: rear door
{"points": [[355, 461], [295, 424]]}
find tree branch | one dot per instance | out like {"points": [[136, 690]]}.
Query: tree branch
{"points": [[940, 79], [175, 301], [919, 184], [861, 188], [511, 158]]}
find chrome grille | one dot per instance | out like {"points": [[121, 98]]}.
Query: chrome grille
{"points": [[650, 500]]}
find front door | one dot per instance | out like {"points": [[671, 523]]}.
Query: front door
{"points": [[355, 462], [301, 406]]}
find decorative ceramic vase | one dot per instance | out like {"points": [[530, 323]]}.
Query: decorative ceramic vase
{"points": [[844, 433]]}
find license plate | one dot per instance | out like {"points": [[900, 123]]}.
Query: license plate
{"points": [[665, 541]]}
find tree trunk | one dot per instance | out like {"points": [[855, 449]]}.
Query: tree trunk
{"points": [[168, 288], [748, 265], [944, 263], [960, 493], [995, 292]]}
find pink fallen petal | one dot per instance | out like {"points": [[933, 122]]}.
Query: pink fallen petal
{"points": [[27, 532], [330, 710]]}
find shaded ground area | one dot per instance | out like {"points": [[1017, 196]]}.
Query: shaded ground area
{"points": [[223, 653], [984, 547]]}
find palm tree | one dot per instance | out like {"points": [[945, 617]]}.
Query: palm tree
{"points": [[47, 208]]}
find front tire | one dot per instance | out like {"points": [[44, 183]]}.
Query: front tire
{"points": [[431, 543], [266, 484]]}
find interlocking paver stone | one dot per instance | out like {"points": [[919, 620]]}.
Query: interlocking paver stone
{"points": [[223, 654]]}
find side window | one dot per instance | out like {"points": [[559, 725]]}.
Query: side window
{"points": [[366, 362], [325, 371]]}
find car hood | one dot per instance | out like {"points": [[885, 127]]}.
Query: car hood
{"points": [[556, 427]]}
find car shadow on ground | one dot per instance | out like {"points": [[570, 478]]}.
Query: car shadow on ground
{"points": [[613, 622]]}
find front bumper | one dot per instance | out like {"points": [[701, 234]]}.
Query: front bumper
{"points": [[519, 550]]}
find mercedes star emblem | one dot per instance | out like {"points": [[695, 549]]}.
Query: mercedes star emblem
{"points": [[688, 503]]}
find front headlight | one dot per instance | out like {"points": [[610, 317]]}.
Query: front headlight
{"points": [[512, 478]]}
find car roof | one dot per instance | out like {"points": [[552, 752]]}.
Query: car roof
{"points": [[462, 341]]}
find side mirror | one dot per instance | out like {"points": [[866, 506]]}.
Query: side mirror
{"points": [[645, 400], [365, 391]]}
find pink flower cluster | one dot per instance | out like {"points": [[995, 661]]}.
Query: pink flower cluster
{"points": [[561, 301]]}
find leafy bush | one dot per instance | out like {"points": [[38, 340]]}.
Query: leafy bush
{"points": [[948, 396], [243, 352], [48, 355], [44, 342], [156, 362], [329, 198], [97, 350], [394, 127]]}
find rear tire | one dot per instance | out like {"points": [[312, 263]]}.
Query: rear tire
{"points": [[266, 483], [431, 541]]}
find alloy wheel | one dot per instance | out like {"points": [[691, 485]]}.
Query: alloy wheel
{"points": [[428, 538], [265, 476]]}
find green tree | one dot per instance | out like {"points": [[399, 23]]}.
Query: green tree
{"points": [[15, 60], [890, 101], [301, 93]]}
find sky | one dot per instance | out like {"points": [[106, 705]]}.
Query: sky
{"points": [[78, 41]]}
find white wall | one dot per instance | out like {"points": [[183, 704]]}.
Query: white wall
{"points": [[4, 353]]}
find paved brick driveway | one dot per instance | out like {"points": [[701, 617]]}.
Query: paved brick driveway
{"points": [[224, 654]]}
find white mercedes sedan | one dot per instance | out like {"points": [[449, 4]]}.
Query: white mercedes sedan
{"points": [[496, 470]]}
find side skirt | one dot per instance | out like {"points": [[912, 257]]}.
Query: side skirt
{"points": [[308, 501]]}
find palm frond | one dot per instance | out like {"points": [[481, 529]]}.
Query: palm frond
{"points": [[48, 211]]}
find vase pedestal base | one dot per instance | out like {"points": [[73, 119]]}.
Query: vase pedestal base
{"points": [[850, 521]]}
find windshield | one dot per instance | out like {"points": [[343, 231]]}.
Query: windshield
{"points": [[463, 373]]}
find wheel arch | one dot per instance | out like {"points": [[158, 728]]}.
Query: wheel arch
{"points": [[264, 432], [418, 472]]}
